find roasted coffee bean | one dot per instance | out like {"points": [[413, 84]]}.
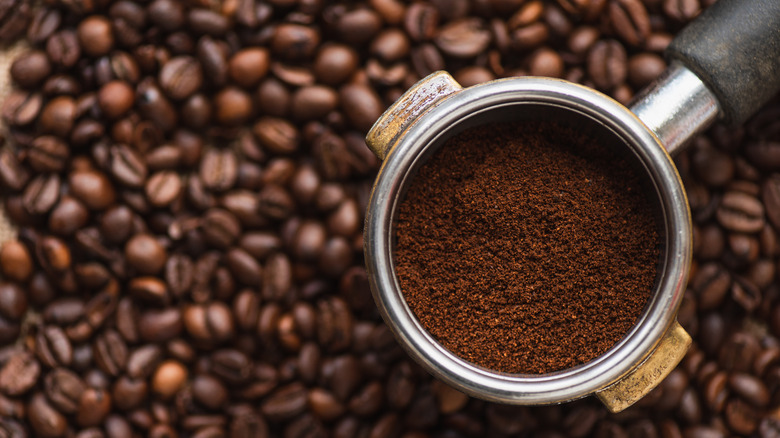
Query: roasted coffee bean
{"points": [[248, 66], [16, 264], [53, 348], [145, 254], [630, 20], [220, 228], [47, 154], [181, 77], [44, 419], [285, 403], [63, 48], [93, 188], [361, 106], [740, 212], [463, 38], [110, 352], [41, 194], [681, 10], [44, 23], [421, 21], [64, 388], [209, 323], [30, 69], [163, 188], [209, 391], [219, 169], [155, 106], [94, 407], [160, 325], [233, 366], [294, 41], [19, 373], [607, 64], [12, 174], [169, 378]]}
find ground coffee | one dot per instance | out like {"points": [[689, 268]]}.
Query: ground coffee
{"points": [[526, 247]]}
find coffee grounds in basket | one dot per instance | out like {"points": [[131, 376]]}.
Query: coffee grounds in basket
{"points": [[526, 247]]}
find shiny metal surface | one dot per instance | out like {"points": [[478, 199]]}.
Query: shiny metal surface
{"points": [[676, 107], [517, 99]]}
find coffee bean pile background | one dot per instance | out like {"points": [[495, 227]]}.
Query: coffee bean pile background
{"points": [[188, 179]]}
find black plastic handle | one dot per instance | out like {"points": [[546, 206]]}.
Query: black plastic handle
{"points": [[734, 48]]}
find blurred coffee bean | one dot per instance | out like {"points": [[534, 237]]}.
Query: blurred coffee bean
{"points": [[44, 419], [181, 77], [30, 69], [169, 378], [93, 188], [247, 67], [95, 35], [145, 254], [740, 212], [607, 64], [52, 347], [16, 265], [463, 38], [334, 63], [643, 68], [19, 373], [630, 20]]}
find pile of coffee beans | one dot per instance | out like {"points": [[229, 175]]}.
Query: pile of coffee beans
{"points": [[189, 177]]}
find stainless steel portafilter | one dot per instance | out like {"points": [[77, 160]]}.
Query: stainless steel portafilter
{"points": [[725, 65]]}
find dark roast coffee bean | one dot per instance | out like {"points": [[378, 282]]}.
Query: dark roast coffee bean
{"points": [[52, 347], [116, 98], [19, 373], [41, 194], [421, 21], [155, 106], [12, 174], [93, 188], [110, 352], [607, 64], [127, 166], [48, 154], [285, 403], [95, 35], [209, 391], [30, 69], [145, 254], [160, 325], [333, 64], [681, 10], [214, 61], [63, 48], [218, 169], [248, 66], [181, 77], [220, 228], [163, 188], [740, 212], [294, 41], [463, 38], [64, 388], [44, 419], [44, 23], [94, 406], [630, 20], [16, 265], [68, 216], [209, 323], [21, 108]]}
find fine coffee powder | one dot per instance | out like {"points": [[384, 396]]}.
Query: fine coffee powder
{"points": [[527, 247]]}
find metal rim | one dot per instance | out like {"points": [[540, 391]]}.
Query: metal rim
{"points": [[523, 389]]}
